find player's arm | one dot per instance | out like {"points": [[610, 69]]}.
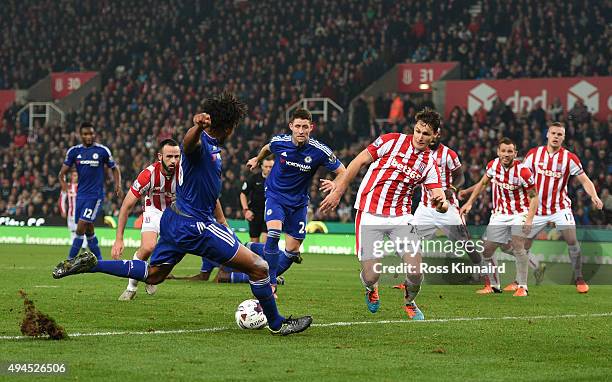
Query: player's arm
{"points": [[462, 194], [328, 185], [344, 179], [533, 207], [117, 179], [589, 187], [458, 181], [62, 203], [128, 204], [244, 202], [192, 138], [254, 162], [62, 177], [478, 188], [219, 215]]}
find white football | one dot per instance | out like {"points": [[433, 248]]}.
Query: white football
{"points": [[250, 315]]}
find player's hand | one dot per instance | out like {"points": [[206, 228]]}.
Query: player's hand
{"points": [[202, 120], [327, 185], [597, 202], [330, 202], [463, 194], [442, 207], [252, 164], [465, 209], [117, 249], [249, 215], [448, 193], [119, 191], [64, 215], [527, 227]]}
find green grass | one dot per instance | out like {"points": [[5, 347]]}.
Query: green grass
{"points": [[325, 286]]}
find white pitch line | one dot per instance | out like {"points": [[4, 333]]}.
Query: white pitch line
{"points": [[340, 323]]}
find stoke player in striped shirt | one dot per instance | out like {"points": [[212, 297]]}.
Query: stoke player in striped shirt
{"points": [[156, 185], [552, 166], [397, 164], [451, 178], [515, 201], [67, 205]]}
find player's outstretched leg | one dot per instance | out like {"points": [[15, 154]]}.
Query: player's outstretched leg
{"points": [[86, 262], [257, 269]]}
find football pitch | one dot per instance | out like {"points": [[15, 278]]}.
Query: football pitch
{"points": [[187, 330]]}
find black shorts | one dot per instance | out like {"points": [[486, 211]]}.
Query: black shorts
{"points": [[257, 225]]}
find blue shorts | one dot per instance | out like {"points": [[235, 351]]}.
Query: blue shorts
{"points": [[207, 265], [87, 209], [180, 235], [293, 218]]}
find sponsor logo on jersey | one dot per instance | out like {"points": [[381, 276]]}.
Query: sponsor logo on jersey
{"points": [[301, 166], [412, 173], [506, 186], [554, 174]]}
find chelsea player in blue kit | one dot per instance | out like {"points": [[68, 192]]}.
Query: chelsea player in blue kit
{"points": [[89, 158], [298, 157], [189, 226]]}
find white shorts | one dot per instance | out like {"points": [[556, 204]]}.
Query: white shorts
{"points": [[72, 225], [502, 227], [563, 220], [150, 220], [371, 230], [428, 220]]}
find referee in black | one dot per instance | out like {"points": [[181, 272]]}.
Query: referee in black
{"points": [[253, 200]]}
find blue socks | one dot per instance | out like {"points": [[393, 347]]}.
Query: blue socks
{"points": [[262, 290], [92, 243], [77, 243], [131, 269], [285, 261], [284, 257], [271, 251], [238, 277]]}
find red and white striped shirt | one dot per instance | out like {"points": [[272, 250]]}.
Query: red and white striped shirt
{"points": [[447, 161], [397, 168], [158, 189], [68, 200], [510, 186], [552, 172]]}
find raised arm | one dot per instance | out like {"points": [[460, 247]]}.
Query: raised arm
{"points": [[344, 179], [128, 204], [254, 162], [192, 137]]}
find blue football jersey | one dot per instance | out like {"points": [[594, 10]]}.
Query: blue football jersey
{"points": [[294, 166], [199, 179], [89, 163]]}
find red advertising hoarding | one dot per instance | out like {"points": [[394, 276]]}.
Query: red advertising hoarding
{"points": [[65, 83], [523, 94], [417, 78], [7, 97]]}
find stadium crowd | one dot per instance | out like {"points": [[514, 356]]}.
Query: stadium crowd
{"points": [[159, 61]]}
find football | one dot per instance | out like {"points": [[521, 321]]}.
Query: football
{"points": [[249, 315]]}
